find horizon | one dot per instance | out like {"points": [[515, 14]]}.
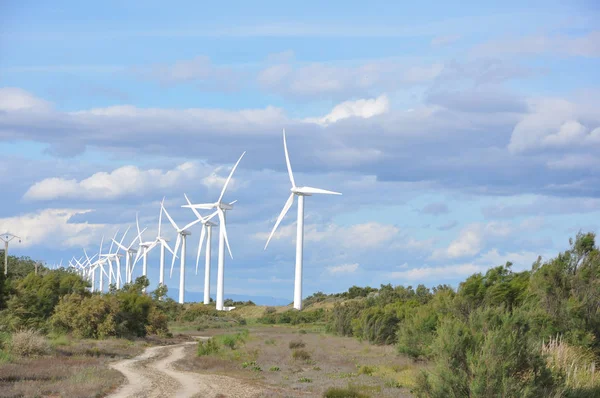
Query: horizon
{"points": [[461, 137]]}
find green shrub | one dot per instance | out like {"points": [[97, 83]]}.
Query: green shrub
{"points": [[28, 343], [207, 347], [301, 354], [274, 369], [305, 380], [229, 341], [297, 344], [248, 364], [338, 392], [367, 370]]}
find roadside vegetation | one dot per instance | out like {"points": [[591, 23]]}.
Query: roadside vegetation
{"points": [[56, 337]]}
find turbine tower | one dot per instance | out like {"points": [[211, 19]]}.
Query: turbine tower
{"points": [[129, 251], [182, 233], [221, 208], [300, 192], [206, 231], [145, 248]]}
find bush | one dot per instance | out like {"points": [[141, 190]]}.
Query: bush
{"points": [[338, 392], [229, 341], [301, 354], [207, 347], [29, 343], [274, 369], [305, 380], [297, 344], [367, 370]]}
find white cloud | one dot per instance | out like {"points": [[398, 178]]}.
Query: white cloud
{"points": [[555, 123], [471, 239], [575, 162], [122, 182], [363, 108], [51, 228], [343, 269], [16, 99], [437, 273]]}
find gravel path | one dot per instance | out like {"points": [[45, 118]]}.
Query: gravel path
{"points": [[152, 375]]}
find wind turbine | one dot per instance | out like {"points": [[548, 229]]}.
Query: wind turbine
{"points": [[182, 233], [206, 231], [300, 192], [145, 249], [163, 245], [129, 250], [221, 208], [117, 257]]}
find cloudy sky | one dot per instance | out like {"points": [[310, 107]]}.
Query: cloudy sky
{"points": [[461, 135]]}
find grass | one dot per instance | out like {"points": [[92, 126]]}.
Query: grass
{"points": [[301, 355], [207, 347], [576, 364], [297, 344], [331, 361], [349, 392], [29, 343]]}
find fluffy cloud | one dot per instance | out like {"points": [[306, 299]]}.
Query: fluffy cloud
{"points": [[556, 123], [471, 240], [15, 99], [124, 181], [359, 108], [343, 269], [52, 228]]}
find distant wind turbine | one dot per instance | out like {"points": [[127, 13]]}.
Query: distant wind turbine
{"points": [[182, 233], [221, 208], [300, 192]]}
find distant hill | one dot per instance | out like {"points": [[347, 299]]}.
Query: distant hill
{"points": [[258, 300]]}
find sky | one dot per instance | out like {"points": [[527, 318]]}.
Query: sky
{"points": [[462, 135]]}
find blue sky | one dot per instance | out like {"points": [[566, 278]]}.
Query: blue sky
{"points": [[462, 135]]}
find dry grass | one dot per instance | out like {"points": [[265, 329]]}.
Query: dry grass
{"points": [[72, 368], [334, 362], [29, 343], [577, 364]]}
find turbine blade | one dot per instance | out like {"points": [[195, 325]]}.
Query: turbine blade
{"points": [[222, 225], [113, 239], [170, 219], [100, 251], [192, 223], [284, 211], [287, 161], [203, 206], [193, 208], [174, 257], [311, 190], [120, 245], [137, 224], [166, 245], [229, 178], [160, 214], [137, 256], [200, 246], [123, 237]]}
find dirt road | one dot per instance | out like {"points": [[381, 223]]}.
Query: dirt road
{"points": [[152, 375]]}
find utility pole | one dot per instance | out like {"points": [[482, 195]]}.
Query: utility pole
{"points": [[7, 237]]}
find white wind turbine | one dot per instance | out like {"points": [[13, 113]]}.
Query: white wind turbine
{"points": [[182, 233], [146, 247], [300, 192], [163, 245], [221, 208], [129, 251], [206, 232], [117, 257]]}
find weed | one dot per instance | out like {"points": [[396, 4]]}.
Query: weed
{"points": [[316, 368], [393, 384], [305, 380], [257, 368], [207, 347], [337, 392], [367, 370], [302, 331], [229, 341], [248, 364], [274, 369], [270, 342], [4, 357], [297, 344], [301, 354]]}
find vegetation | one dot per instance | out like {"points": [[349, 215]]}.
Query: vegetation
{"points": [[502, 333]]}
